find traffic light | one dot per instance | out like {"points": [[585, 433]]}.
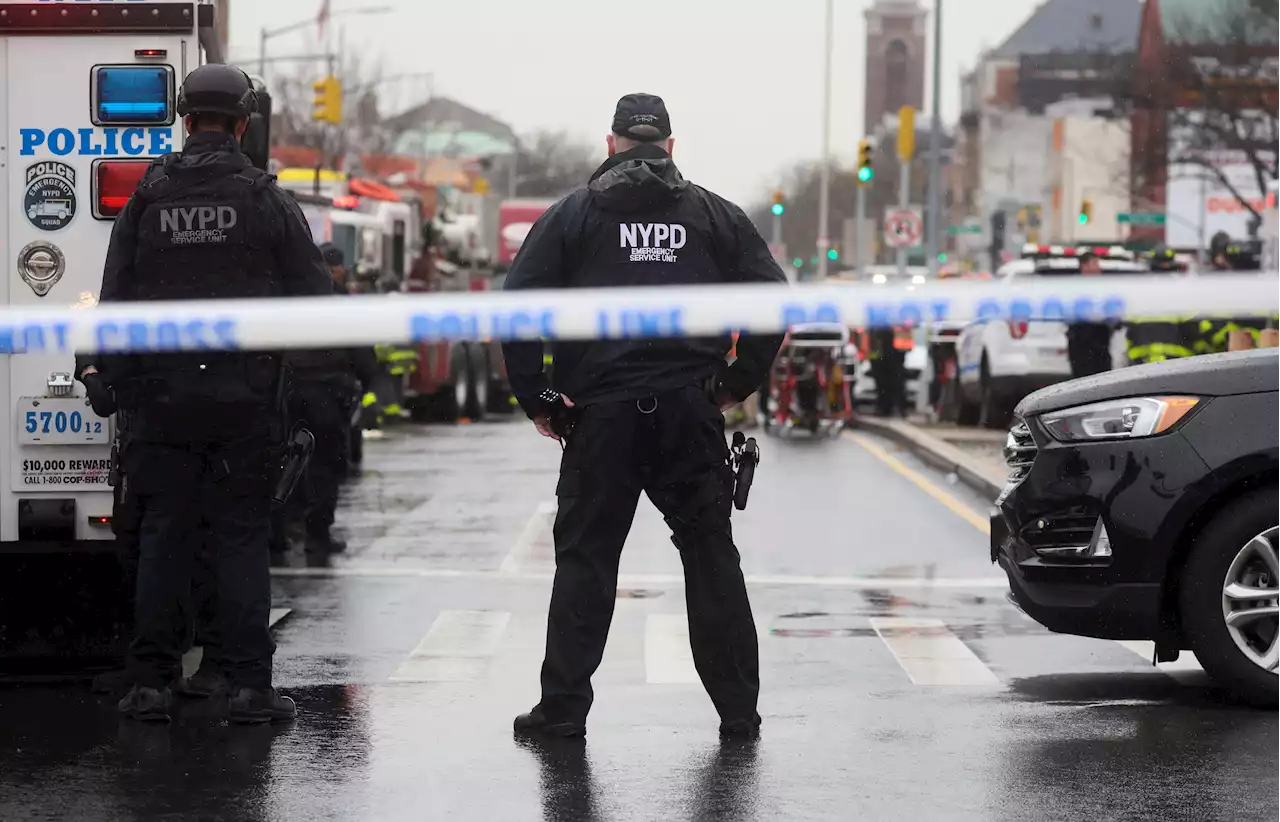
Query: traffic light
{"points": [[797, 263], [865, 172], [779, 203], [833, 253], [1086, 211], [328, 100]]}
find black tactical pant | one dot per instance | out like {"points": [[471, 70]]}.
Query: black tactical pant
{"points": [[325, 409], [216, 498], [889, 370], [672, 448]]}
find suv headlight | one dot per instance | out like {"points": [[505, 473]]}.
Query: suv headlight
{"points": [[1118, 419]]}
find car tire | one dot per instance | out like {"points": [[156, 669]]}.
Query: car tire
{"points": [[992, 410], [1216, 552]]}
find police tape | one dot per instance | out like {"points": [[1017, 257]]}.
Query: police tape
{"points": [[615, 313]]}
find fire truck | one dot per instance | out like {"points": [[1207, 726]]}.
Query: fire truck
{"points": [[90, 94]]}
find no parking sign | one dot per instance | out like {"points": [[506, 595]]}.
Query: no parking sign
{"points": [[903, 227]]}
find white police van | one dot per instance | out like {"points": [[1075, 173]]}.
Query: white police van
{"points": [[89, 97], [1001, 361]]}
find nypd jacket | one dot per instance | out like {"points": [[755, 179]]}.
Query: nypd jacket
{"points": [[205, 224], [638, 222]]}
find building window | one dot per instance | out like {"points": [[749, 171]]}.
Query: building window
{"points": [[895, 75]]}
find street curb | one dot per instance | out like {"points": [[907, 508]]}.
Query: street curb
{"points": [[936, 452]]}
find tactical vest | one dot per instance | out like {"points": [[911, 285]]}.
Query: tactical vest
{"points": [[196, 240]]}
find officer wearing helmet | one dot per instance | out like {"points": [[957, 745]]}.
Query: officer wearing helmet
{"points": [[204, 223]]}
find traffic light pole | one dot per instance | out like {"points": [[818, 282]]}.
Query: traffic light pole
{"points": [[859, 236], [777, 236], [904, 195], [934, 224]]}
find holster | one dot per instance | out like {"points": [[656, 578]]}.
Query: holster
{"points": [[297, 453]]}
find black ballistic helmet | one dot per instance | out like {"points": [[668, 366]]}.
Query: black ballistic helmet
{"points": [[218, 89]]}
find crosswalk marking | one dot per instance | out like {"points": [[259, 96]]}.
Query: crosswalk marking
{"points": [[930, 654], [1185, 668], [456, 648], [667, 658], [538, 526]]}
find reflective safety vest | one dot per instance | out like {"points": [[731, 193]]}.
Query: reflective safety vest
{"points": [[1156, 339], [1214, 335], [399, 361]]}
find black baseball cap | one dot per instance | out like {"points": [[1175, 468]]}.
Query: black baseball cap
{"points": [[332, 254], [642, 117]]}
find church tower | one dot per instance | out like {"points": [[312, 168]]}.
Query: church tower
{"points": [[896, 41]]}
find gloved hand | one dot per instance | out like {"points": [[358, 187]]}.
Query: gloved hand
{"points": [[101, 397]]}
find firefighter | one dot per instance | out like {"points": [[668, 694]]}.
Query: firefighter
{"points": [[1155, 339], [1212, 335]]}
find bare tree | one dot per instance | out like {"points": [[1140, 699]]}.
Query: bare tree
{"points": [[360, 131], [1214, 101], [552, 163]]}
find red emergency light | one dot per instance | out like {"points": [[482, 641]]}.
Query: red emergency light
{"points": [[1018, 329], [1069, 252], [346, 201], [114, 182], [1100, 252], [150, 53]]}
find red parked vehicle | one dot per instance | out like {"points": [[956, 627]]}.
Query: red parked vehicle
{"points": [[468, 380]]}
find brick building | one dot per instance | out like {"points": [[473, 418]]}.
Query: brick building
{"points": [[896, 57]]}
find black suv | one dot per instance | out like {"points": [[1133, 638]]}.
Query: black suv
{"points": [[1142, 504]]}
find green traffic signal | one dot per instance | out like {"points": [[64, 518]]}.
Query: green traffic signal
{"points": [[832, 254], [865, 174], [778, 208], [942, 257], [797, 262], [1084, 219]]}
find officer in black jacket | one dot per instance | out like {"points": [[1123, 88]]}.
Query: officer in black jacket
{"points": [[326, 384], [648, 415], [1089, 343], [205, 224]]}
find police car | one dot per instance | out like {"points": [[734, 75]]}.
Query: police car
{"points": [[1001, 361], [90, 90]]}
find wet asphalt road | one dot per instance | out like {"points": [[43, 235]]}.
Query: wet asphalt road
{"points": [[897, 681]]}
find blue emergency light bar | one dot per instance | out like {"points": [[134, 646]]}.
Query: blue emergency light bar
{"points": [[132, 95]]}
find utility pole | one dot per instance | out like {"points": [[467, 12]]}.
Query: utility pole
{"points": [[906, 150], [824, 191], [860, 216], [934, 225]]}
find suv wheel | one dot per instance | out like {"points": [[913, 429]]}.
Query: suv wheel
{"points": [[1229, 597]]}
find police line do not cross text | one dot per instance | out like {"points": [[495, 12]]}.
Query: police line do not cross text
{"points": [[642, 312]]}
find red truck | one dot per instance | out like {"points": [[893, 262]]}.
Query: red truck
{"points": [[469, 380]]}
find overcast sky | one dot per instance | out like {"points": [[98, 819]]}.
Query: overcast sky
{"points": [[742, 78]]}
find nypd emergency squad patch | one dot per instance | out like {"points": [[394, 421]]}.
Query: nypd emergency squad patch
{"points": [[50, 200]]}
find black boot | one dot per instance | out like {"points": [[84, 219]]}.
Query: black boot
{"points": [[535, 723], [746, 728], [145, 704], [255, 706], [204, 683]]}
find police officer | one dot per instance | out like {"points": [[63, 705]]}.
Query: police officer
{"points": [[648, 416], [1089, 343], [324, 392], [203, 224], [889, 370]]}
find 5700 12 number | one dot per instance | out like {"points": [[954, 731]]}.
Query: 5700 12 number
{"points": [[48, 422]]}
